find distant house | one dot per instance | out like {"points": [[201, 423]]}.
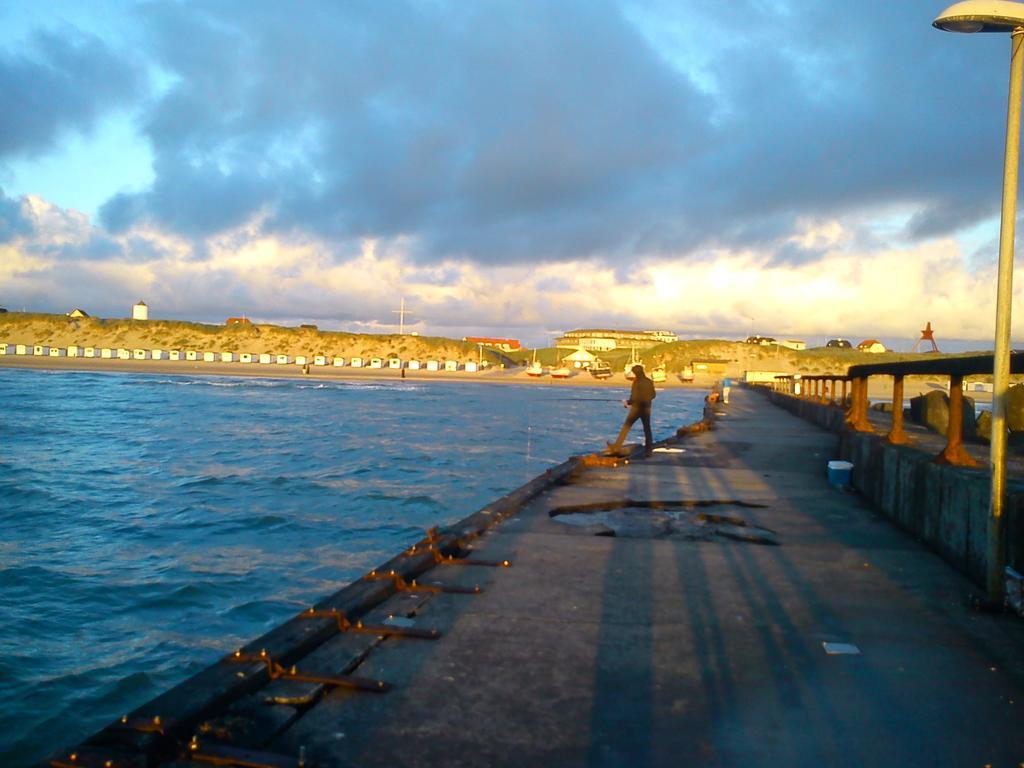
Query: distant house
{"points": [[76, 313], [140, 311], [506, 345], [763, 341], [793, 344], [838, 344], [238, 321], [579, 359], [872, 345]]}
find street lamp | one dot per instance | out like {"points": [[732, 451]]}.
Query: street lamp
{"points": [[1007, 17]]}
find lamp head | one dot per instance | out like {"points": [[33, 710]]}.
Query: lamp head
{"points": [[981, 16]]}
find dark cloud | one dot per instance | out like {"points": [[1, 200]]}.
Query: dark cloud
{"points": [[13, 220], [61, 80], [519, 132]]}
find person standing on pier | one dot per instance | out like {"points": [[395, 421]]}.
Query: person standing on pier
{"points": [[641, 398]]}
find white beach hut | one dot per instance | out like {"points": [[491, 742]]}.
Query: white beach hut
{"points": [[283, 359], [471, 367], [414, 365], [74, 350], [191, 354], [158, 354], [394, 362], [433, 365], [339, 362], [210, 357], [3, 348], [357, 362], [22, 349], [58, 352], [107, 353], [245, 357], [140, 354], [266, 358], [451, 365], [89, 352], [319, 360], [227, 357], [40, 350], [301, 360], [124, 354], [175, 355], [376, 362]]}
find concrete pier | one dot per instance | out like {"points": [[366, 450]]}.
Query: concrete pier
{"points": [[744, 613]]}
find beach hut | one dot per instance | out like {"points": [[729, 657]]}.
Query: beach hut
{"points": [[210, 357], [266, 358], [245, 357], [283, 359], [89, 352], [107, 353], [191, 354], [471, 367], [357, 362], [58, 352], [3, 348], [22, 349], [394, 362], [158, 354], [176, 355], [40, 350], [451, 365], [433, 365], [301, 360], [319, 360], [74, 350], [376, 362], [124, 354], [414, 365], [140, 354], [339, 362], [227, 357]]}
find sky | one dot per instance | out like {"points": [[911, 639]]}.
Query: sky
{"points": [[796, 168]]}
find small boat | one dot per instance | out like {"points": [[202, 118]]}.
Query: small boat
{"points": [[561, 373], [658, 374], [633, 360], [535, 368], [600, 369]]}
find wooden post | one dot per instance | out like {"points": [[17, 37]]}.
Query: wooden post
{"points": [[897, 435], [845, 380], [954, 453]]}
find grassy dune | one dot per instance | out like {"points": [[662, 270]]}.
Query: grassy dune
{"points": [[59, 330]]}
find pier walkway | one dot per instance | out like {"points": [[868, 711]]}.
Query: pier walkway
{"points": [[688, 638]]}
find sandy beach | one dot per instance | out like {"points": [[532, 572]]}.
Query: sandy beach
{"points": [[326, 372]]}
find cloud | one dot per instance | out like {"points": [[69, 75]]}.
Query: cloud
{"points": [[13, 219], [845, 291], [61, 80]]}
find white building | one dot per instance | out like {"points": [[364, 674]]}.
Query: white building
{"points": [[140, 311]]}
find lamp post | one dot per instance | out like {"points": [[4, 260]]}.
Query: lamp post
{"points": [[1007, 17]]}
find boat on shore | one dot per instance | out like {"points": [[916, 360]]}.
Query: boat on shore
{"points": [[561, 373], [535, 369], [658, 374], [633, 360], [600, 369]]}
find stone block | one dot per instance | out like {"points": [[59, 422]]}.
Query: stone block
{"points": [[932, 410]]}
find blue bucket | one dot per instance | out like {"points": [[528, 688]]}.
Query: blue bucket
{"points": [[839, 472]]}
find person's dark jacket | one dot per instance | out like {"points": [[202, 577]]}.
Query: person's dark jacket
{"points": [[642, 392]]}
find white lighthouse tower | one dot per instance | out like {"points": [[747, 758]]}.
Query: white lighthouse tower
{"points": [[140, 311]]}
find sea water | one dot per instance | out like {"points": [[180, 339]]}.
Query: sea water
{"points": [[151, 523]]}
